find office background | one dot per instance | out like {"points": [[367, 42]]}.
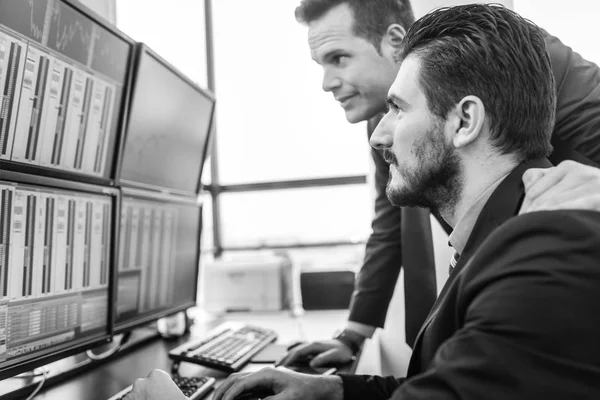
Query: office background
{"points": [[284, 161], [275, 126], [286, 166], [260, 53]]}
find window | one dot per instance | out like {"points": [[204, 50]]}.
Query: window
{"points": [[175, 32], [296, 216], [276, 125], [274, 122]]}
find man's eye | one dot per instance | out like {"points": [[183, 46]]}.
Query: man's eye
{"points": [[391, 106], [338, 59]]}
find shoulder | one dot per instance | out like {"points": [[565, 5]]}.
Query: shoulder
{"points": [[561, 56], [540, 241], [566, 224]]}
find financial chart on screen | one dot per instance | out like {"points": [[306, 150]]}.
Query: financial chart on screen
{"points": [[55, 261], [62, 83], [158, 257]]}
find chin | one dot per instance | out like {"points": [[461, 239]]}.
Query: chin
{"points": [[355, 116], [352, 118]]}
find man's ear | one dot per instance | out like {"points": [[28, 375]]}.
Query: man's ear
{"points": [[392, 38], [467, 121]]}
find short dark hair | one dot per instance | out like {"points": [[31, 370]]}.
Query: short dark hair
{"points": [[371, 17], [495, 54]]}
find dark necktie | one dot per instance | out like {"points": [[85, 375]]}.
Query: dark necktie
{"points": [[419, 269]]}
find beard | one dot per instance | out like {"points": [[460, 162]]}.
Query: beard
{"points": [[437, 179]]}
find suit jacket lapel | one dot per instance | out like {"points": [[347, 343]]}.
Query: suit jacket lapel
{"points": [[503, 204]]}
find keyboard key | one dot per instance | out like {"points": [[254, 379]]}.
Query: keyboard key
{"points": [[229, 349]]}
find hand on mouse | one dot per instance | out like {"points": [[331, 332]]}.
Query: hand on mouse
{"points": [[285, 385], [321, 354]]}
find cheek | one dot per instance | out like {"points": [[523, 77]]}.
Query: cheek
{"points": [[405, 141]]}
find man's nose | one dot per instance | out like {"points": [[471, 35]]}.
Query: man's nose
{"points": [[330, 80], [382, 137]]}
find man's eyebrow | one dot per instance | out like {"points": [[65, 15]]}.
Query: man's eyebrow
{"points": [[392, 99], [329, 54]]}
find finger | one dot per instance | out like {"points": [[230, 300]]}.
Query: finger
{"points": [[557, 199], [138, 384], [529, 177], [545, 178], [304, 351], [590, 203], [546, 185], [532, 175], [158, 374], [225, 385], [329, 357], [539, 183], [262, 379], [578, 199]]}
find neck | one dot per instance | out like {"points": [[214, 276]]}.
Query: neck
{"points": [[478, 175]]}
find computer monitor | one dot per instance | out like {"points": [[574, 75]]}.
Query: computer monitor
{"points": [[168, 129], [64, 81], [158, 257], [56, 258]]}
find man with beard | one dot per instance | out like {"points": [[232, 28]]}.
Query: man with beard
{"points": [[354, 41], [472, 108]]}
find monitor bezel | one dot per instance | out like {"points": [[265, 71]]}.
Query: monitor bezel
{"points": [[153, 316], [141, 50], [15, 166], [54, 354]]}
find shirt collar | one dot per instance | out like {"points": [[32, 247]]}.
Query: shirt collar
{"points": [[461, 232]]}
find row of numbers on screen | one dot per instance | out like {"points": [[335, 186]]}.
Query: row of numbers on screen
{"points": [[54, 112]]}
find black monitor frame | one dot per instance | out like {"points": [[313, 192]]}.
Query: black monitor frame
{"points": [[151, 317], [141, 49], [55, 353], [8, 165]]}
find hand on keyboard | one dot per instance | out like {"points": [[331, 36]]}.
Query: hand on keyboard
{"points": [[159, 385]]}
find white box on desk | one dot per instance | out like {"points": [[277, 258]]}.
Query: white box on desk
{"points": [[257, 283]]}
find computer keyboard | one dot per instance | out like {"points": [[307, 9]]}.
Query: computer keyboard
{"points": [[193, 387], [228, 348]]}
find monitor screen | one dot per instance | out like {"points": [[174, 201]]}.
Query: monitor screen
{"points": [[158, 258], [63, 79], [55, 261], [168, 128]]}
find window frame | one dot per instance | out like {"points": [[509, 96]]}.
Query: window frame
{"points": [[215, 189]]}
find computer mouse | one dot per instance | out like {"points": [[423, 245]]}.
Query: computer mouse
{"points": [[255, 394]]}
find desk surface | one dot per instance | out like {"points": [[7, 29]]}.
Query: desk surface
{"points": [[105, 380]]}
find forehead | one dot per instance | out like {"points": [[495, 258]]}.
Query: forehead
{"points": [[333, 31], [406, 85]]}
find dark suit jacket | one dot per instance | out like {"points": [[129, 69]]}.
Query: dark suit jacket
{"points": [[577, 128], [519, 318]]}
